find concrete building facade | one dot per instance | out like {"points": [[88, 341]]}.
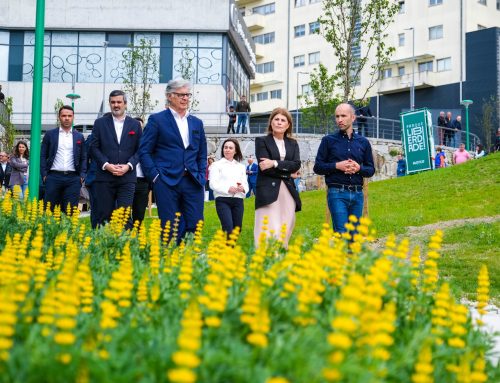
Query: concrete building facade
{"points": [[84, 43]]}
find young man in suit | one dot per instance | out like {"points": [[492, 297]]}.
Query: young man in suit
{"points": [[173, 155], [63, 162], [5, 171], [114, 146]]}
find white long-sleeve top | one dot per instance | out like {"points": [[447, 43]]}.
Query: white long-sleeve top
{"points": [[224, 174]]}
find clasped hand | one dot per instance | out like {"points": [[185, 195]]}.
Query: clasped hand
{"points": [[117, 170], [348, 166], [266, 163], [236, 189]]}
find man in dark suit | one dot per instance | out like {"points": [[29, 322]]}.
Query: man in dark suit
{"points": [[5, 171], [363, 112], [141, 190], [173, 155], [63, 162], [114, 145], [252, 170]]}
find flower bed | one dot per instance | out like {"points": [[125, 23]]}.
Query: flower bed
{"points": [[115, 306]]}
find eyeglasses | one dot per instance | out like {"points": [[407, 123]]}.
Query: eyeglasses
{"points": [[183, 95]]}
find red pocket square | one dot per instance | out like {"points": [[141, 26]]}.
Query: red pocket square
{"points": [[78, 142], [131, 133]]}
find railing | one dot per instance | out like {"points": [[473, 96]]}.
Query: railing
{"points": [[217, 124]]}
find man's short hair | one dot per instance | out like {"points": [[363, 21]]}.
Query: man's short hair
{"points": [[177, 83], [67, 107], [117, 92]]}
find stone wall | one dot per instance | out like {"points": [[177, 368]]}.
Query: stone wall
{"points": [[385, 163]]}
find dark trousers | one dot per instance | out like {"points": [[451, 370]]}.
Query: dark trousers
{"points": [[186, 198], [140, 199], [230, 127], [92, 196], [252, 188], [62, 189], [230, 212], [110, 196]]}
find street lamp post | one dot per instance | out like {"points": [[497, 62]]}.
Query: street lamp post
{"points": [[73, 96], [412, 87], [466, 103], [297, 102]]}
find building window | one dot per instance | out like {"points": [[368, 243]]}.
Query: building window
{"points": [[313, 58], [264, 9], [300, 3], [401, 71], [276, 94], [402, 7], [299, 61], [498, 5], [119, 39], [443, 64], [314, 27], [300, 30], [483, 2], [306, 89], [435, 2], [265, 67], [425, 66], [386, 73], [262, 96], [266, 38], [436, 32], [401, 38], [252, 98]]}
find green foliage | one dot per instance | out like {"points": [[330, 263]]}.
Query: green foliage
{"points": [[141, 69], [9, 129], [58, 104], [321, 103], [351, 25], [489, 120]]}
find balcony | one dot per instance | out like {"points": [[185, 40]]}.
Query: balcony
{"points": [[264, 79], [259, 51], [241, 3], [400, 83], [255, 21]]}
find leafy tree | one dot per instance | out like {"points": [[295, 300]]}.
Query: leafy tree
{"points": [[58, 105], [186, 68], [140, 72], [8, 132], [321, 102], [356, 30], [489, 119]]}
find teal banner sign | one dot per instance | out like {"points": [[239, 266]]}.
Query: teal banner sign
{"points": [[418, 141]]}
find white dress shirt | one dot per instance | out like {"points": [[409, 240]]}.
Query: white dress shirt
{"points": [[224, 174], [118, 127], [182, 124], [64, 160]]}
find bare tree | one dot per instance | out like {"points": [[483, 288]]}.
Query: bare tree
{"points": [[356, 29]]}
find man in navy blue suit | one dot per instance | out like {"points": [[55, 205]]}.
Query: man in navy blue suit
{"points": [[252, 171], [63, 162], [114, 145], [173, 156]]}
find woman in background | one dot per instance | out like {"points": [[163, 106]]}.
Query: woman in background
{"points": [[19, 162], [279, 162], [228, 180]]}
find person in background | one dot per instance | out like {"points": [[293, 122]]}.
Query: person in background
{"points": [[457, 131], [5, 171], [440, 159], [89, 181], [441, 123], [461, 155], [279, 161], [20, 162], [344, 158], [232, 120], [401, 169], [448, 132], [479, 152], [63, 162], [2, 96], [210, 161], [252, 169], [242, 108], [142, 189], [362, 113], [229, 183]]}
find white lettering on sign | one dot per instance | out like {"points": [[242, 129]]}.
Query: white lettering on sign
{"points": [[420, 162], [416, 137]]}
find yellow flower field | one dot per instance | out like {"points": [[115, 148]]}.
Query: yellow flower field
{"points": [[78, 305]]}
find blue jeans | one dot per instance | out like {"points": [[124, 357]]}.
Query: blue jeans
{"points": [[242, 122], [342, 203]]}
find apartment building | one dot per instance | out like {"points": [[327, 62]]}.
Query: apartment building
{"points": [[430, 37]]}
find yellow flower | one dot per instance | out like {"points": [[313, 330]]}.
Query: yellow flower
{"points": [[186, 359], [64, 338], [257, 339], [277, 379], [181, 375], [339, 340]]}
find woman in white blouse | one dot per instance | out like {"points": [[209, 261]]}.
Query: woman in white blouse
{"points": [[228, 180]]}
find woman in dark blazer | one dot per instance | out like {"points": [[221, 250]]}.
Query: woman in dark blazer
{"points": [[279, 162]]}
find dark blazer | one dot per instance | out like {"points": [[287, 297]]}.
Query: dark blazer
{"points": [[5, 176], [48, 152], [104, 147], [269, 180], [162, 151], [19, 168]]}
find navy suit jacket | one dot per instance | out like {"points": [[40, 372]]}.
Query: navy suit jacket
{"points": [[48, 152], [5, 176], [104, 147], [162, 151]]}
